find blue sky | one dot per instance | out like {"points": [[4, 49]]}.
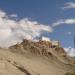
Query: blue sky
{"points": [[47, 12]]}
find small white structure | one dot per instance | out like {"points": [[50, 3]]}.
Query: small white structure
{"points": [[55, 43], [45, 39]]}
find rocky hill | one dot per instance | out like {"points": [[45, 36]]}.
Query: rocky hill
{"points": [[35, 58], [43, 48]]}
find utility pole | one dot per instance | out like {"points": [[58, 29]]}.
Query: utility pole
{"points": [[74, 41], [74, 47]]}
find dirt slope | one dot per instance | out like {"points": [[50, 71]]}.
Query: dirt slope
{"points": [[13, 63], [35, 58]]}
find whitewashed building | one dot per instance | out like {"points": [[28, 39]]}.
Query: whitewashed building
{"points": [[55, 43]]}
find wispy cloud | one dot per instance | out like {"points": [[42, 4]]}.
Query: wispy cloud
{"points": [[63, 21], [57, 23], [13, 15], [69, 33], [12, 31], [69, 5]]}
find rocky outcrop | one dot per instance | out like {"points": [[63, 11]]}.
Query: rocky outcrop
{"points": [[41, 47]]}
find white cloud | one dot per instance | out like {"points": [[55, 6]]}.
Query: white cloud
{"points": [[69, 5], [57, 23], [69, 21], [69, 33], [2, 14], [12, 31], [70, 51], [13, 15], [63, 21]]}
